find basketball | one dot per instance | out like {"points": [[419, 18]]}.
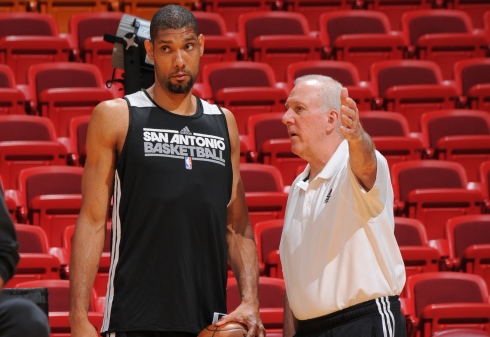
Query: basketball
{"points": [[232, 329]]}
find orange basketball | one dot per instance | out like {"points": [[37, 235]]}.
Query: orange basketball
{"points": [[231, 329]]}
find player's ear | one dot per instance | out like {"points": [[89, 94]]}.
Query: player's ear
{"points": [[149, 50], [200, 41]]}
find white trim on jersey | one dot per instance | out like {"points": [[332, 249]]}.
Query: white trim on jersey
{"points": [[210, 109], [387, 318], [140, 100], [116, 239]]}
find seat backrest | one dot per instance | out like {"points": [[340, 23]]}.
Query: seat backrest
{"points": [[238, 74], [261, 178], [484, 173], [419, 174], [26, 128], [467, 230], [433, 21], [78, 131], [27, 23], [48, 180], [410, 232], [64, 75], [457, 122], [32, 239], [7, 78], [445, 287], [344, 72], [210, 23], [384, 123], [91, 24], [265, 126], [268, 236], [253, 24], [385, 74], [336, 23], [58, 294], [470, 72]]}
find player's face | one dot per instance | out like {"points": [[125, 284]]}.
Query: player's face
{"points": [[304, 120], [176, 54]]}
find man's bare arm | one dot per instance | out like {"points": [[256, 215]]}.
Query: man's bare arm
{"points": [[242, 250], [97, 184], [361, 147]]}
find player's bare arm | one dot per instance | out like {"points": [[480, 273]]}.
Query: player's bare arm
{"points": [[290, 322], [242, 250], [361, 147], [105, 137]]}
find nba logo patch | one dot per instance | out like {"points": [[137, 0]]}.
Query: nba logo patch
{"points": [[188, 163]]}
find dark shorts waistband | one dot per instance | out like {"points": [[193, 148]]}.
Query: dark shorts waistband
{"points": [[340, 317]]}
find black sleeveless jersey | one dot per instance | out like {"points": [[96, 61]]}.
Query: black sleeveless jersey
{"points": [[172, 188]]}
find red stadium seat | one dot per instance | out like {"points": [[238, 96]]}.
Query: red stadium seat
{"points": [[411, 87], [267, 237], [433, 191], [12, 99], [484, 176], [52, 198], [418, 256], [77, 134], [472, 76], [59, 306], [220, 45], [246, 88], [443, 36], [145, 9], [230, 10], [87, 33], [277, 38], [268, 136], [64, 90], [36, 262], [441, 300], [313, 9], [394, 9], [30, 38], [264, 192], [27, 141], [360, 37], [469, 244], [391, 136], [474, 9], [459, 135], [342, 71], [62, 11]]}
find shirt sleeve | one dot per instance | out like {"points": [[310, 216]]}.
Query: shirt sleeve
{"points": [[380, 197], [9, 255]]}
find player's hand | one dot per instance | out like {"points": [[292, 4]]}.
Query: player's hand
{"points": [[83, 329], [247, 315], [351, 127]]}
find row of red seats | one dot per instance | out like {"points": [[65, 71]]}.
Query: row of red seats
{"points": [[457, 135], [230, 10], [361, 37], [431, 191], [468, 246], [63, 90]]}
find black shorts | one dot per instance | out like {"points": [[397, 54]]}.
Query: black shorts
{"points": [[380, 317]]}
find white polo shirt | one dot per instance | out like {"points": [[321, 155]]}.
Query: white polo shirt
{"points": [[338, 246]]}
